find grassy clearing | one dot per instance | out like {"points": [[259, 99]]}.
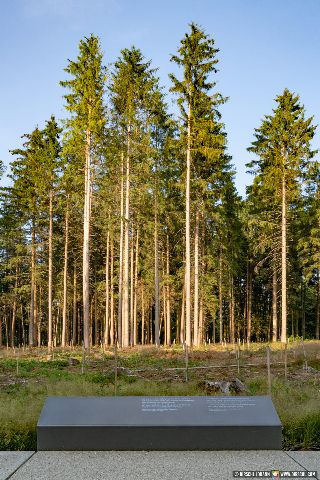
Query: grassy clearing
{"points": [[27, 378]]}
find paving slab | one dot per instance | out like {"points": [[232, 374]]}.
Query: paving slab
{"points": [[10, 461], [309, 460], [160, 465]]}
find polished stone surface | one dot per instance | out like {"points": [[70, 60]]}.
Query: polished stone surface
{"points": [[159, 423]]}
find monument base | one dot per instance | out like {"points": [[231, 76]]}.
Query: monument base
{"points": [[159, 423]]}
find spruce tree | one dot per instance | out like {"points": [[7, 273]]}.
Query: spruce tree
{"points": [[27, 194], [197, 57], [132, 87], [51, 167], [86, 104], [283, 148], [309, 237]]}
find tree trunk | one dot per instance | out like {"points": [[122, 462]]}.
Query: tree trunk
{"points": [[55, 327], [33, 303], [188, 259], [65, 280], [274, 300], [36, 315], [40, 317], [96, 319], [303, 309], [284, 264], [13, 322], [196, 283], [120, 297], [135, 293], [86, 245], [6, 330], [50, 273], [142, 315], [112, 329], [231, 310], [14, 309], [92, 342], [318, 306], [168, 312], [74, 316], [164, 306], [106, 323], [220, 299], [182, 318], [156, 281], [249, 300], [125, 342], [201, 321], [131, 287], [150, 326]]}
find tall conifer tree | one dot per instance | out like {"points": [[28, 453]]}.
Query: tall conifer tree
{"points": [[197, 57], [283, 147], [51, 167], [132, 86], [86, 105]]}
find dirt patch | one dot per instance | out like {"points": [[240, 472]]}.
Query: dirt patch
{"points": [[6, 381]]}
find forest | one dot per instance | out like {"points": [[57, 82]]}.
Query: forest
{"points": [[122, 223]]}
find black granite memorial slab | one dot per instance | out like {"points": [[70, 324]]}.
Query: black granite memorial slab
{"points": [[159, 423]]}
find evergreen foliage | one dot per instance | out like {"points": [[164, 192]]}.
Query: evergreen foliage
{"points": [[169, 252]]}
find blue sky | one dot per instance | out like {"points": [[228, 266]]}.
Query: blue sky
{"points": [[265, 46]]}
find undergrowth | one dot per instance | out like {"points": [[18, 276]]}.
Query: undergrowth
{"points": [[25, 383]]}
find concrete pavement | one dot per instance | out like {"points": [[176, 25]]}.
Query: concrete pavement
{"points": [[11, 461], [193, 465]]}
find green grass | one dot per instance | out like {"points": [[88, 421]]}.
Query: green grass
{"points": [[22, 395], [298, 406]]}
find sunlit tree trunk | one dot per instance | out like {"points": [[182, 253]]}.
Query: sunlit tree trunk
{"points": [[106, 323], [274, 300], [74, 313], [231, 309], [132, 288], [196, 283], [125, 333], [284, 264], [33, 302], [182, 317], [249, 300], [220, 299], [303, 308], [65, 280], [135, 293], [318, 306], [96, 318], [168, 309], [50, 273], [156, 281], [39, 317], [120, 296], [14, 309], [112, 329], [86, 245], [201, 321], [188, 259], [142, 315]]}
